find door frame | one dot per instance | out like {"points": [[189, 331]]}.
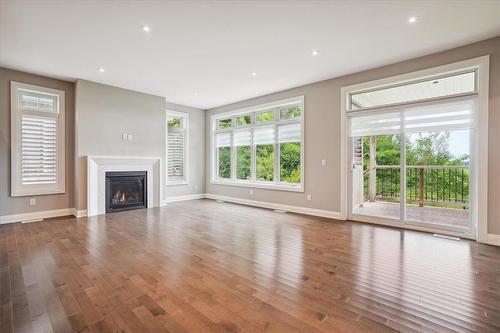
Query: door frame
{"points": [[479, 171]]}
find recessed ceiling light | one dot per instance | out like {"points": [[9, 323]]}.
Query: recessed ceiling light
{"points": [[254, 73], [100, 70], [315, 52], [146, 28], [412, 19], [196, 94]]}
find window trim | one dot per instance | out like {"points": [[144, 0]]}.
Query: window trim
{"points": [[253, 110], [185, 121], [17, 188]]}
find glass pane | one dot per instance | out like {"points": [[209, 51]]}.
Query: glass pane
{"points": [[243, 162], [244, 120], [290, 112], [290, 162], [376, 175], [30, 100], [437, 178], [175, 122], [431, 88], [224, 159], [265, 162], [224, 123], [263, 117]]}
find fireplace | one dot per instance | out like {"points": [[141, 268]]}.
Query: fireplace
{"points": [[126, 190]]}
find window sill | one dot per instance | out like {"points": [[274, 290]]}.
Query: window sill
{"points": [[278, 187]]}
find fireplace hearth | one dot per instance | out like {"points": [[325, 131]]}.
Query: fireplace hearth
{"points": [[126, 190]]}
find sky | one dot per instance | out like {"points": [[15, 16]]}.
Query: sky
{"points": [[459, 143]]}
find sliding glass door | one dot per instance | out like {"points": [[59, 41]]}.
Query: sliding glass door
{"points": [[438, 179], [376, 176], [412, 164]]}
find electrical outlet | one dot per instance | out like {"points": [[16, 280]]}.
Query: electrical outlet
{"points": [[32, 201], [251, 192], [309, 198], [124, 136], [129, 137], [196, 187], [323, 162]]}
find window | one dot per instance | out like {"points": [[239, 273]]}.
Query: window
{"points": [[244, 120], [243, 144], [38, 140], [266, 116], [453, 84], [224, 123], [177, 134], [261, 146]]}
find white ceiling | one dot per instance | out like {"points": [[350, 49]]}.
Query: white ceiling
{"points": [[202, 53]]}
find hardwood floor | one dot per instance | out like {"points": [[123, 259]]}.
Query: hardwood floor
{"points": [[202, 266]]}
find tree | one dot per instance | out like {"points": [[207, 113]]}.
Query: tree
{"points": [[290, 162], [422, 149]]}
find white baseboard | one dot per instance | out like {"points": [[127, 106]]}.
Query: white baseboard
{"points": [[79, 212], [183, 198], [493, 239], [36, 215], [294, 209]]}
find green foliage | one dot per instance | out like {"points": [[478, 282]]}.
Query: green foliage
{"points": [[243, 162], [290, 162], [174, 122], [265, 116], [225, 162], [225, 123], [244, 120], [265, 162], [290, 112], [429, 149]]}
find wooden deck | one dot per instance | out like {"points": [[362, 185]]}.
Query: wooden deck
{"points": [[433, 215], [202, 266]]}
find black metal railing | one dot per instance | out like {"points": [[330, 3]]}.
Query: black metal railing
{"points": [[441, 186]]}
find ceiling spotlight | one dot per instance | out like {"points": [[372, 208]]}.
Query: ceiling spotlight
{"points": [[196, 94], [315, 52], [146, 28], [254, 73], [412, 19], [100, 70]]}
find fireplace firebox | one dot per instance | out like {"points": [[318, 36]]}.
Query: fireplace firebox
{"points": [[126, 190]]}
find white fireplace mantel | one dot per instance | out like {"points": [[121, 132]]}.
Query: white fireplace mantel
{"points": [[97, 166]]}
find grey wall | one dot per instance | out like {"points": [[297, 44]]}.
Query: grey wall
{"points": [[18, 205], [102, 114], [322, 131], [196, 153]]}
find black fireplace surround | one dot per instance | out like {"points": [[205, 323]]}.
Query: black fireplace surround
{"points": [[126, 190]]}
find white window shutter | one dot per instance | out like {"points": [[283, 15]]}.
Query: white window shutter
{"points": [[175, 152], [38, 150], [289, 133], [37, 143], [177, 145]]}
